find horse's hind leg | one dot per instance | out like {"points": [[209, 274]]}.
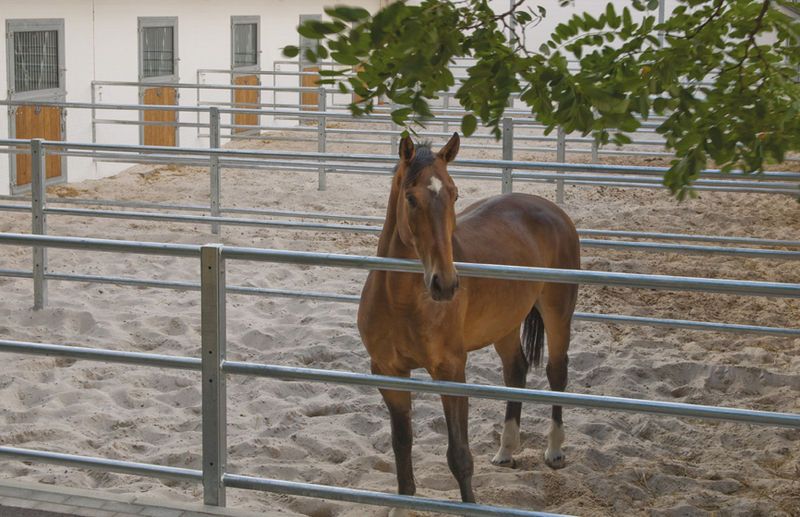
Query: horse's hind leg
{"points": [[557, 303], [515, 369]]}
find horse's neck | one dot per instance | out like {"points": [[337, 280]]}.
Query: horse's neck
{"points": [[389, 244], [398, 287]]}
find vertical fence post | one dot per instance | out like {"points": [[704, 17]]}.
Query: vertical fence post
{"points": [[213, 335], [561, 157], [595, 150], [39, 222], [214, 173], [197, 102], [661, 15], [94, 113], [393, 128], [322, 137], [446, 106], [508, 154]]}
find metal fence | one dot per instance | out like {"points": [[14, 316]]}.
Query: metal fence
{"points": [[215, 367], [558, 172], [287, 104], [213, 159]]}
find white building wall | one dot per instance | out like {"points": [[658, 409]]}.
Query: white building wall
{"points": [[101, 43], [78, 44]]}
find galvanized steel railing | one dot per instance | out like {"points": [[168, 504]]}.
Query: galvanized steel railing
{"points": [[40, 211], [215, 367]]}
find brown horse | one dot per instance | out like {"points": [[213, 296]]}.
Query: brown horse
{"points": [[432, 321]]}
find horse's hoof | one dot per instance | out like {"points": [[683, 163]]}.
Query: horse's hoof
{"points": [[555, 460], [507, 463]]}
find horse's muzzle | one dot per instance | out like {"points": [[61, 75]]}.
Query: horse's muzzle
{"points": [[443, 290]]}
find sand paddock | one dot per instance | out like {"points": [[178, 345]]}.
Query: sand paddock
{"points": [[618, 463]]}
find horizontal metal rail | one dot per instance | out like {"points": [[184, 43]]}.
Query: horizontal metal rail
{"points": [[100, 354], [723, 286], [352, 298], [722, 239], [740, 287], [352, 495], [106, 465], [105, 245], [384, 159], [375, 230], [16, 273], [290, 373]]}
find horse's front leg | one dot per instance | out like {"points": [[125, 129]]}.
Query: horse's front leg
{"points": [[456, 413], [399, 405]]}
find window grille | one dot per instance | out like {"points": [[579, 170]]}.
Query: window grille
{"points": [[307, 43], [158, 51], [245, 44], [35, 60]]}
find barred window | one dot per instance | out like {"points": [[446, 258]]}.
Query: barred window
{"points": [[245, 44], [158, 51], [306, 43], [36, 60]]}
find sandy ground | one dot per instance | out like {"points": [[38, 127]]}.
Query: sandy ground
{"points": [[618, 463]]}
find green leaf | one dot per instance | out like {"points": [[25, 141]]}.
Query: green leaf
{"points": [[611, 16], [348, 14], [344, 58], [399, 116], [291, 51], [468, 124], [306, 30]]}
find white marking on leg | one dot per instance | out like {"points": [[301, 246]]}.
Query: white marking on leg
{"points": [[435, 185], [553, 456], [509, 443]]}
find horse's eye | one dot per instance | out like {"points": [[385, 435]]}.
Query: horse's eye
{"points": [[412, 201]]}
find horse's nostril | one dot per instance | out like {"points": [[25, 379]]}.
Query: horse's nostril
{"points": [[435, 283]]}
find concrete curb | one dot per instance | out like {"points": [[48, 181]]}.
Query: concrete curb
{"points": [[40, 500]]}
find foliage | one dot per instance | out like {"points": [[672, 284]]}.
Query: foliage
{"points": [[728, 96]]}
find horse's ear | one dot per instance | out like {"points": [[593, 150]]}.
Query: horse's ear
{"points": [[407, 149], [450, 150]]}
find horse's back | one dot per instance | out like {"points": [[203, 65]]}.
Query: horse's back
{"points": [[518, 229]]}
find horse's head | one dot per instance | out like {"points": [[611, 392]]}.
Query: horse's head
{"points": [[426, 215]]}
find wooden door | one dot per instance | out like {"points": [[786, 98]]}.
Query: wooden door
{"points": [[245, 99], [164, 135], [309, 100], [38, 122], [356, 97]]}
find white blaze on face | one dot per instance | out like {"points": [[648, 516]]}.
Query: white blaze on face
{"points": [[435, 185]]}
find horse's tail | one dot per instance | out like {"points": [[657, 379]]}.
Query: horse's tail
{"points": [[533, 338]]}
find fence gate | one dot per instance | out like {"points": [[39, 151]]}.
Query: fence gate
{"points": [[36, 76], [158, 64]]}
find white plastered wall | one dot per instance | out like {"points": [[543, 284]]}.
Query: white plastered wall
{"points": [[101, 43], [77, 15]]}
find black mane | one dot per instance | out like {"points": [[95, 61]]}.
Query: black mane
{"points": [[423, 157]]}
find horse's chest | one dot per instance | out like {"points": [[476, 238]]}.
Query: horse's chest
{"points": [[410, 340]]}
